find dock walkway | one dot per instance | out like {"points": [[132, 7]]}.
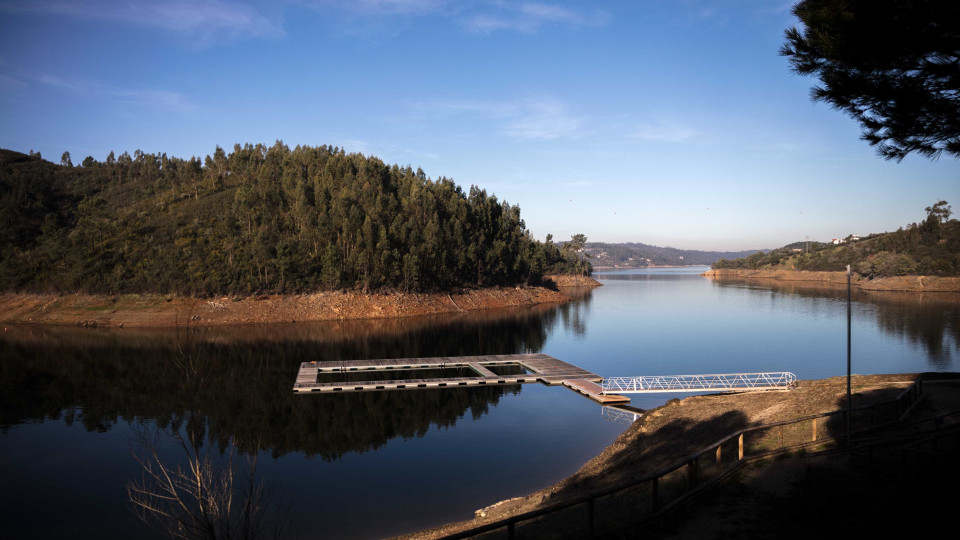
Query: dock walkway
{"points": [[594, 391], [533, 368]]}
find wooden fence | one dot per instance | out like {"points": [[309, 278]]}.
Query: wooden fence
{"points": [[643, 499]]}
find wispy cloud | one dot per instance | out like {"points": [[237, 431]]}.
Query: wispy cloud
{"points": [[478, 16], [8, 83], [389, 7], [529, 17], [204, 21], [73, 86], [544, 119], [666, 131], [528, 119], [720, 12], [155, 99]]}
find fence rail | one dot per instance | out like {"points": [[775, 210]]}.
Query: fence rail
{"points": [[604, 511]]}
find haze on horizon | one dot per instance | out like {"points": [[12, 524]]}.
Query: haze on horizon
{"points": [[668, 123]]}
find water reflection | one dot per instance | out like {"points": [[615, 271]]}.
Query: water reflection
{"points": [[237, 384], [574, 315], [205, 492], [243, 386], [931, 320], [322, 331]]}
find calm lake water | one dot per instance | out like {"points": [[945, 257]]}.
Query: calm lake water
{"points": [[72, 401]]}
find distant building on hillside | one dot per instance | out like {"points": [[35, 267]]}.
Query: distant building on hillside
{"points": [[852, 238]]}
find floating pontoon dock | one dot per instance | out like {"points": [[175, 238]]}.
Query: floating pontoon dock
{"points": [[531, 367]]}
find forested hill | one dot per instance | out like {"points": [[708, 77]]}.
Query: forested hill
{"points": [[256, 219], [635, 254], [931, 247]]}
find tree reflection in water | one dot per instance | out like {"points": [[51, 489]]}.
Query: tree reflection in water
{"points": [[240, 380], [205, 494], [931, 320]]}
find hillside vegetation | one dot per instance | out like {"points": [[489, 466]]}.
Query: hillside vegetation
{"points": [[256, 219], [931, 247]]}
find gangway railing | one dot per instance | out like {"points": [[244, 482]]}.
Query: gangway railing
{"points": [[722, 382]]}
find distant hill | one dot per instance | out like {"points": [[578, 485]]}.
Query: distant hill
{"points": [[931, 247], [637, 255]]}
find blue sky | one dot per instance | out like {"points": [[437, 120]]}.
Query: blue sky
{"points": [[674, 123]]}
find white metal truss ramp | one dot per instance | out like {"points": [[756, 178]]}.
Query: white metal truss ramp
{"points": [[722, 382]]}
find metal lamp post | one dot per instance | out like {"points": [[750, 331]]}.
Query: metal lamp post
{"points": [[849, 397]]}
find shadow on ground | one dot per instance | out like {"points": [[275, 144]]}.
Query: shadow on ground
{"points": [[838, 496]]}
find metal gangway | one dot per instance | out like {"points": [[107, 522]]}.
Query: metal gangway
{"points": [[720, 382]]}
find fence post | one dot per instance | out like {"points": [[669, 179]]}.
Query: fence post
{"points": [[692, 473], [814, 439], [846, 424], [740, 442], [590, 517], [719, 460], [655, 492]]}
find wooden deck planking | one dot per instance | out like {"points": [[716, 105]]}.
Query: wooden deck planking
{"points": [[484, 372], [593, 391], [545, 369], [411, 384]]}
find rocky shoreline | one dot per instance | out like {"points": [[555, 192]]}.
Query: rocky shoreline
{"points": [[167, 311]]}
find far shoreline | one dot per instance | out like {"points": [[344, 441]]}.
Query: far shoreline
{"points": [[891, 283]]}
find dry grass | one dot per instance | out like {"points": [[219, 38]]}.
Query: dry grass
{"points": [[686, 426]]}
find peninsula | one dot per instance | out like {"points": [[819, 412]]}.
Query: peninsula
{"points": [[260, 234]]}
